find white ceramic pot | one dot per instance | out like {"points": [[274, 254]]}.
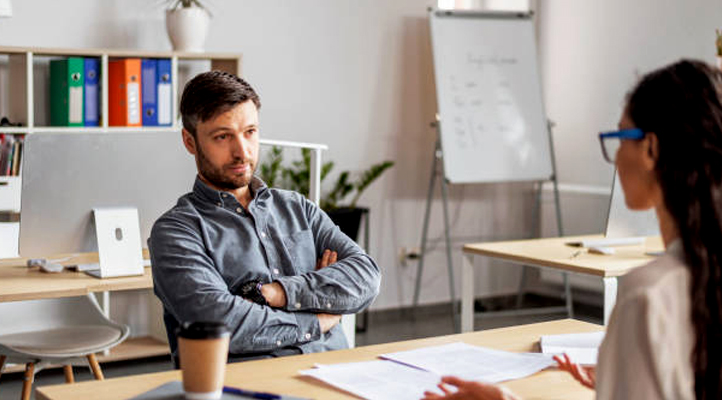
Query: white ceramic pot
{"points": [[187, 28]]}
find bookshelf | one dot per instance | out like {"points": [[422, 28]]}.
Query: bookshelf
{"points": [[26, 100]]}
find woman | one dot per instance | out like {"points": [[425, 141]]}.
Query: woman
{"points": [[664, 337]]}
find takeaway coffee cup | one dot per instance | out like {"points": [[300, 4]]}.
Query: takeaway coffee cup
{"points": [[203, 351]]}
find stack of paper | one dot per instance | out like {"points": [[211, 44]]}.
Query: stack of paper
{"points": [[378, 379], [582, 348], [407, 374]]}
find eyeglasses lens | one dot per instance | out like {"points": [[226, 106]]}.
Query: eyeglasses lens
{"points": [[611, 145]]}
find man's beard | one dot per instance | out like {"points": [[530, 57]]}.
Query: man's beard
{"points": [[216, 176]]}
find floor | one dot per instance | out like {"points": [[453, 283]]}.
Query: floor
{"points": [[382, 327]]}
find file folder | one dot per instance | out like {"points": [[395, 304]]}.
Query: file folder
{"points": [[66, 92], [149, 82], [124, 94], [164, 93], [90, 91]]}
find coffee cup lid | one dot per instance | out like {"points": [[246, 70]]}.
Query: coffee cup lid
{"points": [[202, 330]]}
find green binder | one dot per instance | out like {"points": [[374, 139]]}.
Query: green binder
{"points": [[66, 92]]}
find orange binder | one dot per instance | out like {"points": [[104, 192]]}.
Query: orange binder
{"points": [[124, 102]]}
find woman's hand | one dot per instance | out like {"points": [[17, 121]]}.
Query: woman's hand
{"points": [[465, 390], [585, 375]]}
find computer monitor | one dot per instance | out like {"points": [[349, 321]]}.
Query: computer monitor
{"points": [[66, 175], [625, 223]]}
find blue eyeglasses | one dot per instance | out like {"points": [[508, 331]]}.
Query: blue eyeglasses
{"points": [[611, 141]]}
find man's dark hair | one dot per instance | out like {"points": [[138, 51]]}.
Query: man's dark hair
{"points": [[212, 93]]}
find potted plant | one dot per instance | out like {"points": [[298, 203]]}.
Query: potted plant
{"points": [[296, 177], [187, 22]]}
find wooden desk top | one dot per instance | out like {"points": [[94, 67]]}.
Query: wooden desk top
{"points": [[554, 253], [280, 375], [18, 282]]}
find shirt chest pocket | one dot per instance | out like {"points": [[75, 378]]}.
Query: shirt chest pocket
{"points": [[301, 250]]}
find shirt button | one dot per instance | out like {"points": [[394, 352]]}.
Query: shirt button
{"points": [[328, 305], [275, 271], [225, 194], [219, 204], [239, 210], [278, 343], [263, 235], [308, 336], [297, 305]]}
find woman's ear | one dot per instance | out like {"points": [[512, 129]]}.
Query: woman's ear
{"points": [[652, 154]]}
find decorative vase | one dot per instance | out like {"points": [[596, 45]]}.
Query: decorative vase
{"points": [[187, 28]]}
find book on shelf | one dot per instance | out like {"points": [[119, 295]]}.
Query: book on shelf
{"points": [[164, 93], [91, 94], [149, 85], [66, 91], [11, 150], [124, 92]]}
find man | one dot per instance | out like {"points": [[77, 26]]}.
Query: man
{"points": [[266, 262]]}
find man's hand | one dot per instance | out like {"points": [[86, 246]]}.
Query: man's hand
{"points": [[328, 321], [274, 294], [327, 258]]}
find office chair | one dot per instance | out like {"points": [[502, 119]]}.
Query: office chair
{"points": [[63, 331]]}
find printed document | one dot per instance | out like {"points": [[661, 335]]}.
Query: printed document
{"points": [[473, 362], [582, 348], [377, 380], [407, 374]]}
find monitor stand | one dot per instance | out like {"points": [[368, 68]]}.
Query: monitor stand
{"points": [[119, 250]]}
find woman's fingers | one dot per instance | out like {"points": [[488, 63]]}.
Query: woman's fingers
{"points": [[453, 381], [443, 388]]}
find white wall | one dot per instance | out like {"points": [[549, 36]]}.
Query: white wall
{"points": [[357, 75], [591, 54]]}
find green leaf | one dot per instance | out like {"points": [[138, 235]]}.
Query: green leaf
{"points": [[368, 177]]}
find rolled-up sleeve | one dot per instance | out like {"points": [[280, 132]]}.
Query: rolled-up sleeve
{"points": [[192, 289], [345, 287]]}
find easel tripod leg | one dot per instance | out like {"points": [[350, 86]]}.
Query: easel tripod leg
{"points": [[450, 266], [534, 233], [425, 229]]}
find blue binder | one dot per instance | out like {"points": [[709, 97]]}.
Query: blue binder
{"points": [[165, 93], [149, 83], [91, 71]]}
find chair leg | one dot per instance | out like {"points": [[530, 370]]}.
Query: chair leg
{"points": [[95, 367], [69, 378], [2, 363], [28, 383]]}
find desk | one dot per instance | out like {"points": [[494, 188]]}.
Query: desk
{"points": [[280, 375], [554, 254], [18, 282]]}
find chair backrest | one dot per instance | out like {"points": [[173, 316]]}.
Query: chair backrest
{"points": [[35, 315], [9, 234]]}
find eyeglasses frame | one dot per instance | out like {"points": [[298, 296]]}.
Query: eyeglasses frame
{"points": [[622, 134]]}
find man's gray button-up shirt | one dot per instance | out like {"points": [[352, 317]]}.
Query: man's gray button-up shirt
{"points": [[207, 246]]}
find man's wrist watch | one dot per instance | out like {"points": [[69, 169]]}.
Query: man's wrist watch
{"points": [[251, 290]]}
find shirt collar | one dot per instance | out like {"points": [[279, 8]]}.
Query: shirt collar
{"points": [[223, 198]]}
